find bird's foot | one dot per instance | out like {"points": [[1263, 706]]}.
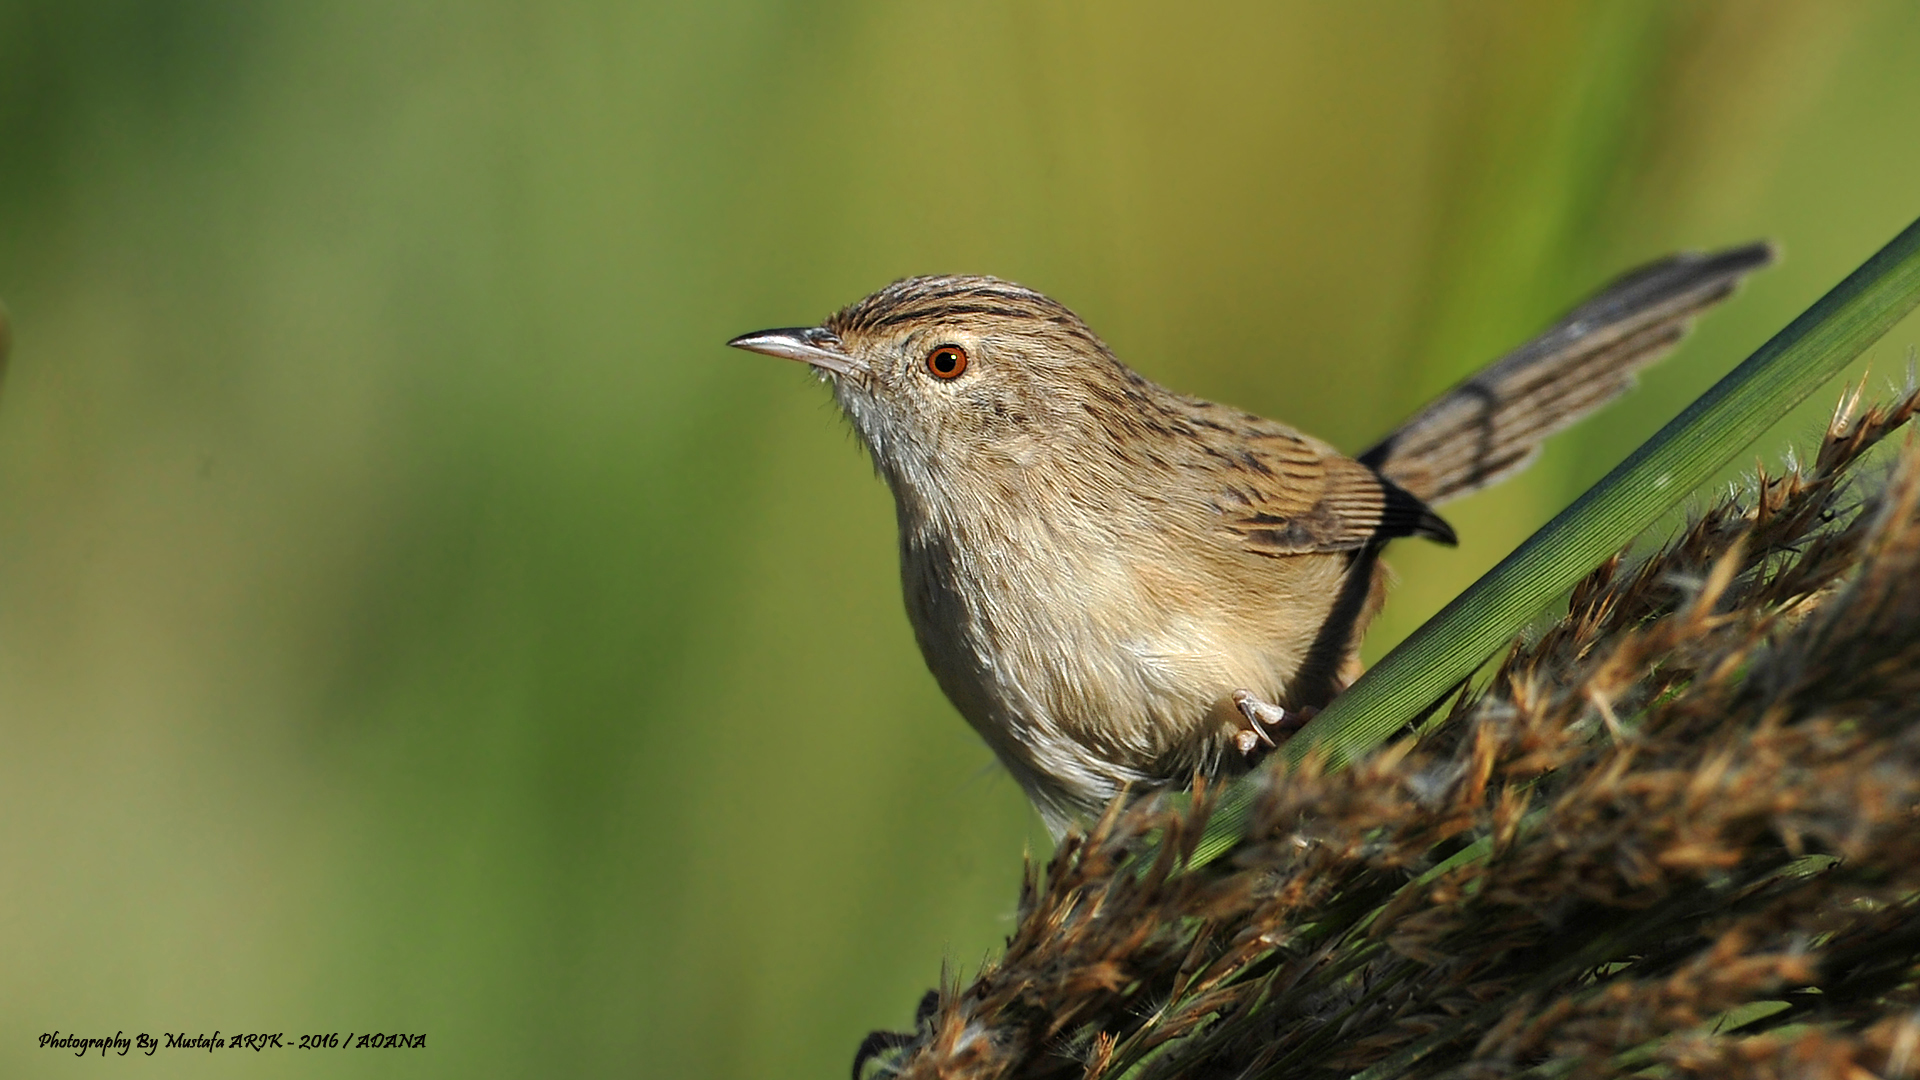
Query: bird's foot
{"points": [[1265, 720]]}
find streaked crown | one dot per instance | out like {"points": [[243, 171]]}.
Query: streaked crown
{"points": [[934, 298]]}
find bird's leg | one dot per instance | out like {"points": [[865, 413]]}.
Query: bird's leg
{"points": [[1264, 716]]}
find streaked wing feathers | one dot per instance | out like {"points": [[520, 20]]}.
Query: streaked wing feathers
{"points": [[1294, 496]]}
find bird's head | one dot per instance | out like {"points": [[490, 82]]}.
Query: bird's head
{"points": [[949, 373]]}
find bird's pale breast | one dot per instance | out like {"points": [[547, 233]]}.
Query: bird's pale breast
{"points": [[1091, 660]]}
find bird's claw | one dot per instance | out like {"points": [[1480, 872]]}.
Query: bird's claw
{"points": [[1263, 717]]}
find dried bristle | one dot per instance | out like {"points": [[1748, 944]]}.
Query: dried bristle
{"points": [[1696, 792]]}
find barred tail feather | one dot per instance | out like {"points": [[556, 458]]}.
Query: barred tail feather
{"points": [[1491, 426]]}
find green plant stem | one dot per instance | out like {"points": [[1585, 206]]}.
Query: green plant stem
{"points": [[1686, 453]]}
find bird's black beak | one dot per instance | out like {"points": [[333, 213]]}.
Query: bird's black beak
{"points": [[810, 345]]}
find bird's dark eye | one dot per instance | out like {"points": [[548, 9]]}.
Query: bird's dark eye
{"points": [[947, 361]]}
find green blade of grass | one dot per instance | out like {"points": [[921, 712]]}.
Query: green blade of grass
{"points": [[1679, 458]]}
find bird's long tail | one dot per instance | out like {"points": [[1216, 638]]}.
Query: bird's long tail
{"points": [[1492, 425]]}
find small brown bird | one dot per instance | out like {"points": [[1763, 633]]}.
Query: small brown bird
{"points": [[1122, 587]]}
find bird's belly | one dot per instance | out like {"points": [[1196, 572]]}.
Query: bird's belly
{"points": [[1102, 672]]}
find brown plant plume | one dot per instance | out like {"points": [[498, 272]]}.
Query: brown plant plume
{"points": [[1673, 835]]}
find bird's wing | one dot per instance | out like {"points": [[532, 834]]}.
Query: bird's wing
{"points": [[1289, 495]]}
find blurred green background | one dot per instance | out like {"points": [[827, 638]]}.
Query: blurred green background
{"points": [[413, 619]]}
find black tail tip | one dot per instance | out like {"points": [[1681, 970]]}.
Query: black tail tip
{"points": [[1745, 258], [1435, 528]]}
